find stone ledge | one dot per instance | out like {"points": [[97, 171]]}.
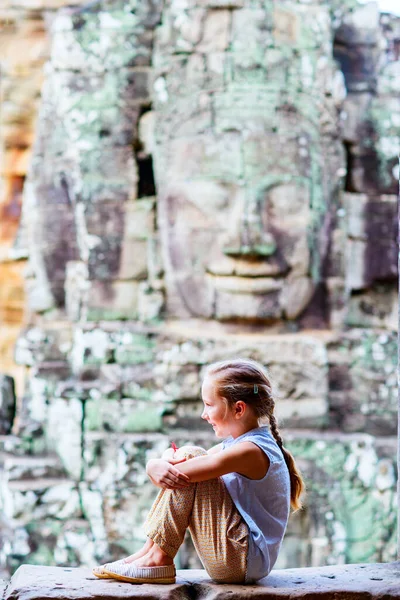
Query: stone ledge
{"points": [[361, 581]]}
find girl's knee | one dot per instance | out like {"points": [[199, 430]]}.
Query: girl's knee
{"points": [[229, 577], [190, 452]]}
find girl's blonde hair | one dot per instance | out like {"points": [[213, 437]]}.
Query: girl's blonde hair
{"points": [[246, 380]]}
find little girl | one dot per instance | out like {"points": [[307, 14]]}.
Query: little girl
{"points": [[235, 499]]}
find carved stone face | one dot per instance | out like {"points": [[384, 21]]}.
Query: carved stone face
{"points": [[247, 160], [239, 220]]}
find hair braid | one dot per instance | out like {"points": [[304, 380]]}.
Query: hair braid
{"points": [[275, 431]]}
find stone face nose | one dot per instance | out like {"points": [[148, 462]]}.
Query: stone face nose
{"points": [[251, 237], [254, 244]]}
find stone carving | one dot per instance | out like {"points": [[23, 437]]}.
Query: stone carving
{"points": [[248, 158], [270, 214]]}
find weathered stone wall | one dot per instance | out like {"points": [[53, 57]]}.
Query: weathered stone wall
{"points": [[24, 49], [207, 182]]}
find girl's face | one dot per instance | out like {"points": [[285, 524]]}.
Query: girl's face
{"points": [[216, 411]]}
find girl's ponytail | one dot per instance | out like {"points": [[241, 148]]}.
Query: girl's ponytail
{"points": [[297, 485]]}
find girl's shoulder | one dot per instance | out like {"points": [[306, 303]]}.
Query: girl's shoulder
{"points": [[260, 433], [263, 438]]}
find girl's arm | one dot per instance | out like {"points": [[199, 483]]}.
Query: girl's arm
{"points": [[215, 449], [245, 458]]}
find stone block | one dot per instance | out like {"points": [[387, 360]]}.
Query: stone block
{"points": [[355, 110], [355, 207], [74, 544], [292, 349], [47, 375], [139, 218], [75, 47], [161, 382], [34, 410], [91, 347], [265, 307], [155, 265], [310, 412], [109, 381], [296, 295], [38, 499], [184, 33], [216, 67], [375, 308], [123, 416], [21, 469], [109, 175], [337, 297], [7, 404], [117, 461], [372, 246], [368, 401], [388, 83], [298, 381], [286, 27], [133, 348], [112, 300], [92, 506], [176, 382], [137, 380], [133, 260], [37, 344], [185, 415], [251, 36], [355, 276], [76, 287], [64, 433], [150, 303], [360, 26], [216, 31]]}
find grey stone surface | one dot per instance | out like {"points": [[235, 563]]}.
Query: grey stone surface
{"points": [[362, 581]]}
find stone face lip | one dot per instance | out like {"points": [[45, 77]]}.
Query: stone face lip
{"points": [[361, 581]]}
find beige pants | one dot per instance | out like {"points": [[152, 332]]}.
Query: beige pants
{"points": [[219, 533]]}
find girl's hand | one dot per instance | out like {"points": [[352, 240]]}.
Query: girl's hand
{"points": [[164, 475]]}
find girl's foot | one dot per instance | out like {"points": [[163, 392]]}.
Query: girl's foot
{"points": [[144, 550], [155, 557]]}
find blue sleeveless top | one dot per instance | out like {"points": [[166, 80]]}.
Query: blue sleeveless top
{"points": [[263, 503]]}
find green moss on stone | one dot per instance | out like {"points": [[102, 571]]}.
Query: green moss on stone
{"points": [[149, 419]]}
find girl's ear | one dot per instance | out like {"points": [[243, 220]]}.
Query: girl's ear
{"points": [[240, 408]]}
